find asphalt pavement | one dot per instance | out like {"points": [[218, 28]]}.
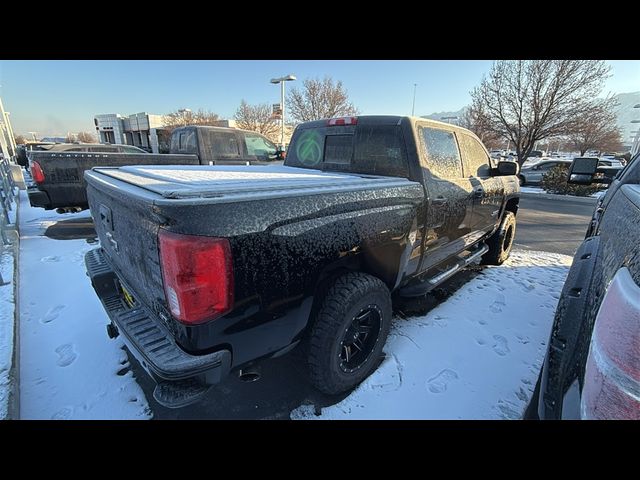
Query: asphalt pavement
{"points": [[551, 224]]}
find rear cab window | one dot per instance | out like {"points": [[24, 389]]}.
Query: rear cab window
{"points": [[366, 149], [218, 144], [184, 142]]}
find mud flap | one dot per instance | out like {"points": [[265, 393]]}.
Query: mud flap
{"points": [[180, 393]]}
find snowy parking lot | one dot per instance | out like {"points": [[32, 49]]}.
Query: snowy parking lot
{"points": [[475, 356]]}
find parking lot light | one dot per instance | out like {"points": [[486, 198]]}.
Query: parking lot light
{"points": [[281, 80]]}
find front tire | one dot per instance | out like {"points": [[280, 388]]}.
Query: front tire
{"points": [[349, 333], [501, 242]]}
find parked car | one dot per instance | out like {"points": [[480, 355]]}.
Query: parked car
{"points": [[591, 369], [58, 174], [532, 174], [610, 162], [207, 270]]}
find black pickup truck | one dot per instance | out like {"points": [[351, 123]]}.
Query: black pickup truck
{"points": [[59, 180], [207, 270]]}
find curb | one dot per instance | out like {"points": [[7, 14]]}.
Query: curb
{"points": [[14, 402], [551, 196]]}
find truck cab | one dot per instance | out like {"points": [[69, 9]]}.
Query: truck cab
{"points": [[223, 146]]}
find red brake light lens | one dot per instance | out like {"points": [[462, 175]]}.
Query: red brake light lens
{"points": [[197, 273], [342, 121], [36, 172], [612, 377]]}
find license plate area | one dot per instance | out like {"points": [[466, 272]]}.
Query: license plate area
{"points": [[126, 296]]}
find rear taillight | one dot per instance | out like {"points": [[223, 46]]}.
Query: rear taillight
{"points": [[197, 273], [612, 377], [36, 172], [342, 121]]}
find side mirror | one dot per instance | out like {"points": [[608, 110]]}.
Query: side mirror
{"points": [[583, 171], [507, 168]]}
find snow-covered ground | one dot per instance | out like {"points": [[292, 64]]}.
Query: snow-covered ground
{"points": [[68, 366], [6, 327], [475, 356], [7, 302], [544, 192]]}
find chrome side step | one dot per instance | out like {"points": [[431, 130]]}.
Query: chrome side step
{"points": [[418, 289]]}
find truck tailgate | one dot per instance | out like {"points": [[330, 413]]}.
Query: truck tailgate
{"points": [[128, 231]]}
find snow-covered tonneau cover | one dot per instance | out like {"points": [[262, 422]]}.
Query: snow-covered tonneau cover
{"points": [[229, 183]]}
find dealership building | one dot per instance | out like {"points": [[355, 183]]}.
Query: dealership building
{"points": [[139, 129], [144, 130]]}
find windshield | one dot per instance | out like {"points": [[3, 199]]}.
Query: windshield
{"points": [[634, 161]]}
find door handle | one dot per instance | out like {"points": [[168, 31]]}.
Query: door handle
{"points": [[439, 200], [478, 193]]}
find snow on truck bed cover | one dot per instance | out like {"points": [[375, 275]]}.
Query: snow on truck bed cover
{"points": [[204, 181]]}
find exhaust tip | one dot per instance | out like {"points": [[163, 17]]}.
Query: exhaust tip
{"points": [[250, 374]]}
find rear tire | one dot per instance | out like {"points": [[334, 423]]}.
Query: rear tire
{"points": [[349, 333], [501, 241]]}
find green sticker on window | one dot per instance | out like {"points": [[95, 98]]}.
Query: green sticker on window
{"points": [[308, 148]]}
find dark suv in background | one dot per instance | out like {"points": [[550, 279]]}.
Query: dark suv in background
{"points": [[592, 366]]}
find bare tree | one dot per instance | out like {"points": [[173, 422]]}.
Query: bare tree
{"points": [[531, 100], [70, 138], [257, 118], [181, 118], [597, 130], [319, 99], [20, 140], [476, 120], [86, 137]]}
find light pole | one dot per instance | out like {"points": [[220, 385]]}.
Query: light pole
{"points": [[281, 81], [184, 112], [635, 146], [413, 106], [4, 119]]}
